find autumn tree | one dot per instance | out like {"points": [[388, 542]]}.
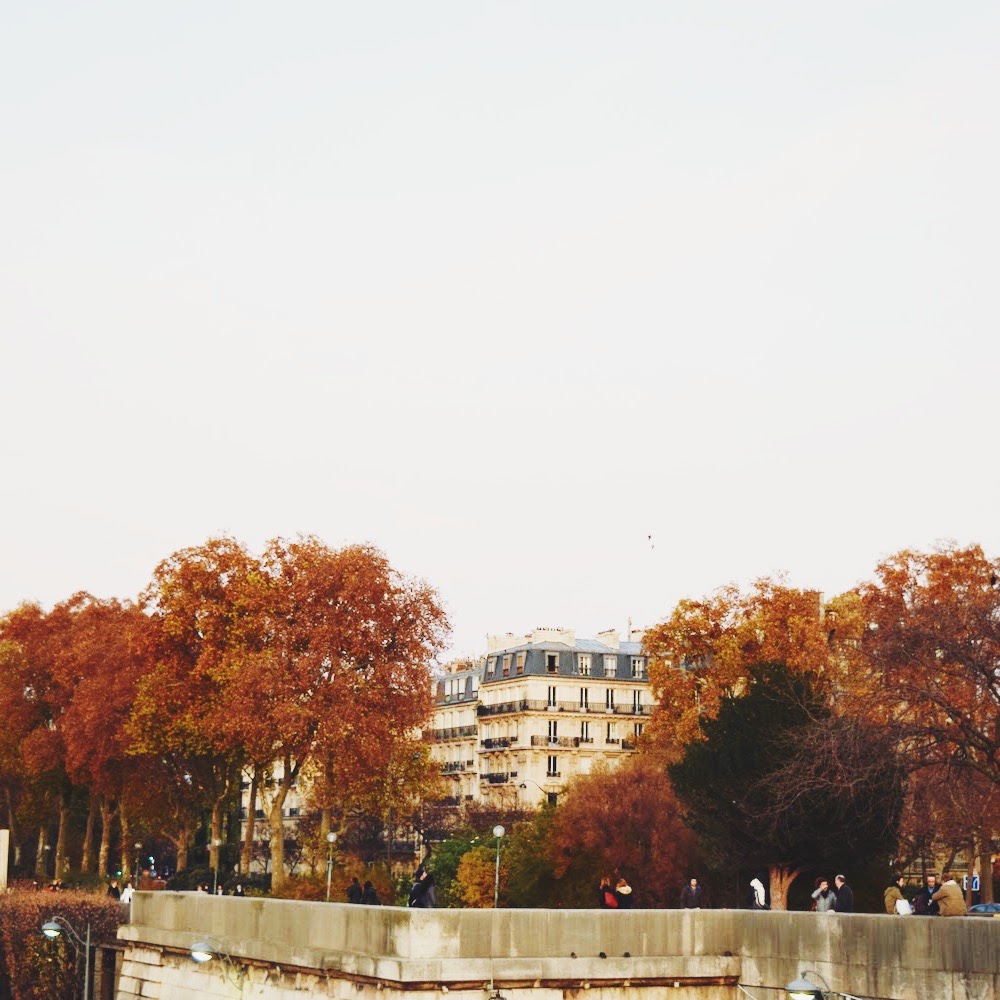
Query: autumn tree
{"points": [[100, 661], [932, 662], [332, 669], [32, 702], [626, 820], [704, 652], [183, 709], [778, 782]]}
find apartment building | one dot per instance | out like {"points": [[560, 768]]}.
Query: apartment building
{"points": [[512, 728]]}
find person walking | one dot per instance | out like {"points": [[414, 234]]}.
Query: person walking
{"points": [[758, 898], [113, 891], [951, 902], [824, 898], [691, 895], [369, 896], [354, 891], [895, 901], [127, 892], [845, 896]]}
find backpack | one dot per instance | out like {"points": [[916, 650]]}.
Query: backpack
{"points": [[610, 899]]}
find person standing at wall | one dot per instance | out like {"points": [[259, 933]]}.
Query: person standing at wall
{"points": [[845, 896], [824, 898], [949, 898], [691, 895], [895, 901]]}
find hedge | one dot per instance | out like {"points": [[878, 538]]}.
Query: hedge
{"points": [[34, 968]]}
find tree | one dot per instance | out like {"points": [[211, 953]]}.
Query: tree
{"points": [[625, 820], [183, 708], [704, 652], [778, 783], [330, 671], [932, 656]]}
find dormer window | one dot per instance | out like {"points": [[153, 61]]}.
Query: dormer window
{"points": [[552, 663], [638, 666], [583, 664], [610, 666]]}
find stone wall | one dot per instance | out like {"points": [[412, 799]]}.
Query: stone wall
{"points": [[280, 948]]}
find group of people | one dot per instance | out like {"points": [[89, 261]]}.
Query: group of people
{"points": [[220, 890], [358, 893], [838, 900], [123, 894], [930, 900], [614, 894]]}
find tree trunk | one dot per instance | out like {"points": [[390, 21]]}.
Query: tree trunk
{"points": [[62, 861], [127, 846], [181, 842], [41, 857], [246, 855], [104, 851], [278, 874], [215, 840], [14, 842], [781, 878], [87, 854]]}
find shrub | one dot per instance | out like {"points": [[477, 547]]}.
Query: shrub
{"points": [[31, 966]]}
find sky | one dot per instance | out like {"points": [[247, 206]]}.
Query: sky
{"points": [[573, 309]]}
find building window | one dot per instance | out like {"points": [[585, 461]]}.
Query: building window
{"points": [[584, 698], [637, 702], [553, 769], [612, 736], [552, 697], [637, 729], [491, 665], [610, 666], [520, 662], [553, 730], [506, 665], [583, 664], [585, 732], [609, 699], [552, 662], [638, 666]]}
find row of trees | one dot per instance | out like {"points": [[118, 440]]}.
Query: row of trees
{"points": [[799, 731], [795, 732], [313, 658]]}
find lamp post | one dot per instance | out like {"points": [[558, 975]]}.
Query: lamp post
{"points": [[216, 844], [138, 848], [54, 927], [498, 832], [331, 839]]}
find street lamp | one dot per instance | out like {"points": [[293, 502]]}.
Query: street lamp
{"points": [[216, 844], [331, 839], [138, 848], [498, 832], [805, 989], [53, 929]]}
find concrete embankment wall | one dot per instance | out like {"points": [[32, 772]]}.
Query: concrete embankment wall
{"points": [[281, 949]]}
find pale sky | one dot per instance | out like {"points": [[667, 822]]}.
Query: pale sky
{"points": [[502, 288]]}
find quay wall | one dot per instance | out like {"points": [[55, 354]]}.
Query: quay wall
{"points": [[287, 950]]}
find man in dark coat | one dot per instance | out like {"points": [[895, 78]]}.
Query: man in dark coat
{"points": [[691, 895], [845, 896], [354, 891]]}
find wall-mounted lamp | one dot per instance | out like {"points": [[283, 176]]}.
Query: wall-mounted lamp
{"points": [[805, 989], [205, 951]]}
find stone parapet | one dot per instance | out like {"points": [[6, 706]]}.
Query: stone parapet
{"points": [[345, 951]]}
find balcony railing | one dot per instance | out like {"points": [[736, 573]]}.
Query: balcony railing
{"points": [[454, 733], [555, 741], [495, 778], [498, 742], [632, 709]]}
